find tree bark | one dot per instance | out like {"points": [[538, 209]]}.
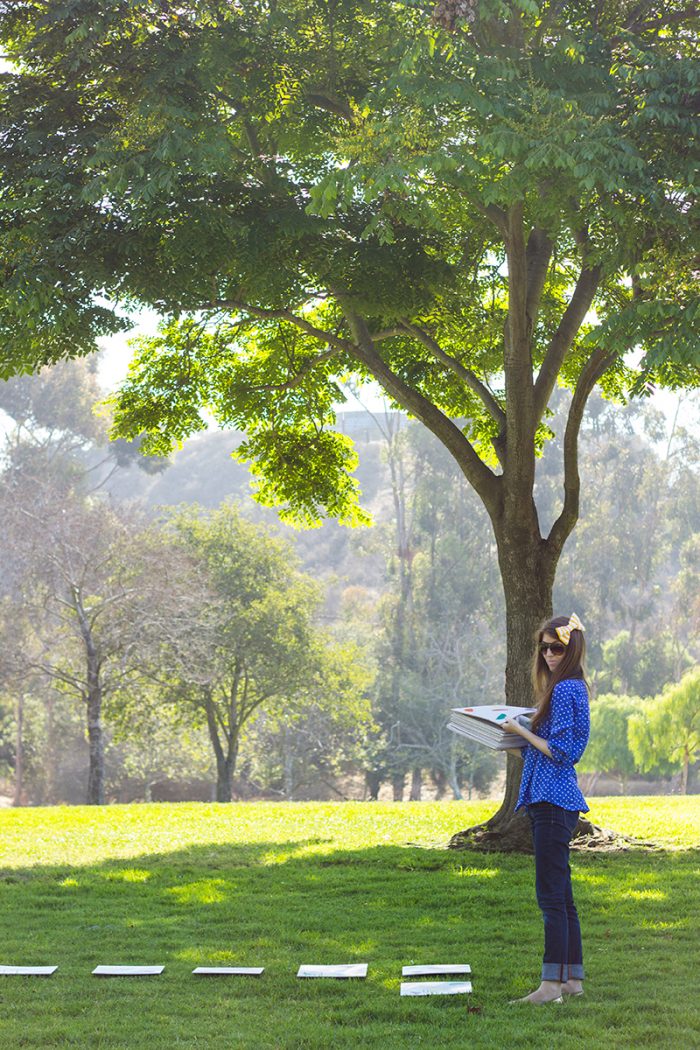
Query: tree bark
{"points": [[452, 775], [288, 766], [224, 777], [373, 780], [227, 757], [416, 784], [527, 572], [398, 782], [49, 765], [96, 774], [684, 772], [19, 752], [93, 698]]}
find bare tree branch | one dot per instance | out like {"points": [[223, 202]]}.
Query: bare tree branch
{"points": [[475, 470], [537, 256], [563, 338], [465, 374], [340, 345], [596, 366]]}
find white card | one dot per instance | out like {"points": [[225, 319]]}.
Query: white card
{"points": [[27, 971], [427, 971], [127, 971], [352, 970], [437, 988], [233, 971]]}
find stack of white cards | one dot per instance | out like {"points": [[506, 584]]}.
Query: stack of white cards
{"points": [[27, 971], [343, 972], [229, 971], [127, 971], [436, 987]]}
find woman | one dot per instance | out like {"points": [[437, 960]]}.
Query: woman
{"points": [[556, 738]]}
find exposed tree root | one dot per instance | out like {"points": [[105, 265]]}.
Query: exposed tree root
{"points": [[514, 837]]}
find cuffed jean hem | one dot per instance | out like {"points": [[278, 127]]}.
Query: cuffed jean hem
{"points": [[562, 972]]}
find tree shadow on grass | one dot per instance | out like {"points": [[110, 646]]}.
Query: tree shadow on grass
{"points": [[281, 905], [246, 904]]}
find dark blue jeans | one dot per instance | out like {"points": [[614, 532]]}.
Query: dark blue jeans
{"points": [[552, 828]]}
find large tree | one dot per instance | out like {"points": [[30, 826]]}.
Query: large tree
{"points": [[466, 210]]}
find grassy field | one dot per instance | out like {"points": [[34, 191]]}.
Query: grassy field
{"points": [[280, 885]]}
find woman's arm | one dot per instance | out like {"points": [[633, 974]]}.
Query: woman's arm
{"points": [[511, 726]]}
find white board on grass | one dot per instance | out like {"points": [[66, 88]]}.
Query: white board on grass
{"points": [[127, 971], [27, 971], [433, 971], [351, 970], [436, 988], [229, 971]]}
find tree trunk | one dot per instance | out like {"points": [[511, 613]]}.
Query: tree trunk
{"points": [[398, 782], [225, 759], [441, 783], [19, 752], [528, 578], [50, 763], [684, 773], [416, 784], [452, 775], [225, 768], [96, 774], [288, 766], [373, 780]]}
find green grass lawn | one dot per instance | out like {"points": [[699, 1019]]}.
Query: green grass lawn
{"points": [[278, 885]]}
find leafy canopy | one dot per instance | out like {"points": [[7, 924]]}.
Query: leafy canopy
{"points": [[313, 192]]}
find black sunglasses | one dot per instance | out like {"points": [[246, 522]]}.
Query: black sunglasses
{"points": [[554, 647]]}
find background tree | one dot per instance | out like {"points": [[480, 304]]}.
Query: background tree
{"points": [[249, 638], [153, 742], [439, 642], [317, 738], [73, 551], [609, 750], [668, 728], [59, 546], [467, 212]]}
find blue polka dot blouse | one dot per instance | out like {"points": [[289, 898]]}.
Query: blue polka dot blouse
{"points": [[566, 729]]}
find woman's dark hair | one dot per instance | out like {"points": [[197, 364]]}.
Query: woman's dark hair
{"points": [[571, 665]]}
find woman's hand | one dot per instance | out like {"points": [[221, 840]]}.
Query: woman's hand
{"points": [[511, 726]]}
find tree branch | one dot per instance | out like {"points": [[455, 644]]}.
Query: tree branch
{"points": [[537, 256], [672, 18], [340, 345], [323, 100], [596, 366], [561, 341], [478, 474], [484, 481], [301, 374], [465, 374], [517, 360], [495, 214], [61, 676]]}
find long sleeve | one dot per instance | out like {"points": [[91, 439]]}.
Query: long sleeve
{"points": [[561, 734], [570, 723], [566, 729]]}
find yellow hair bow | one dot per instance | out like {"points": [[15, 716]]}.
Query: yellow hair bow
{"points": [[564, 633]]}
